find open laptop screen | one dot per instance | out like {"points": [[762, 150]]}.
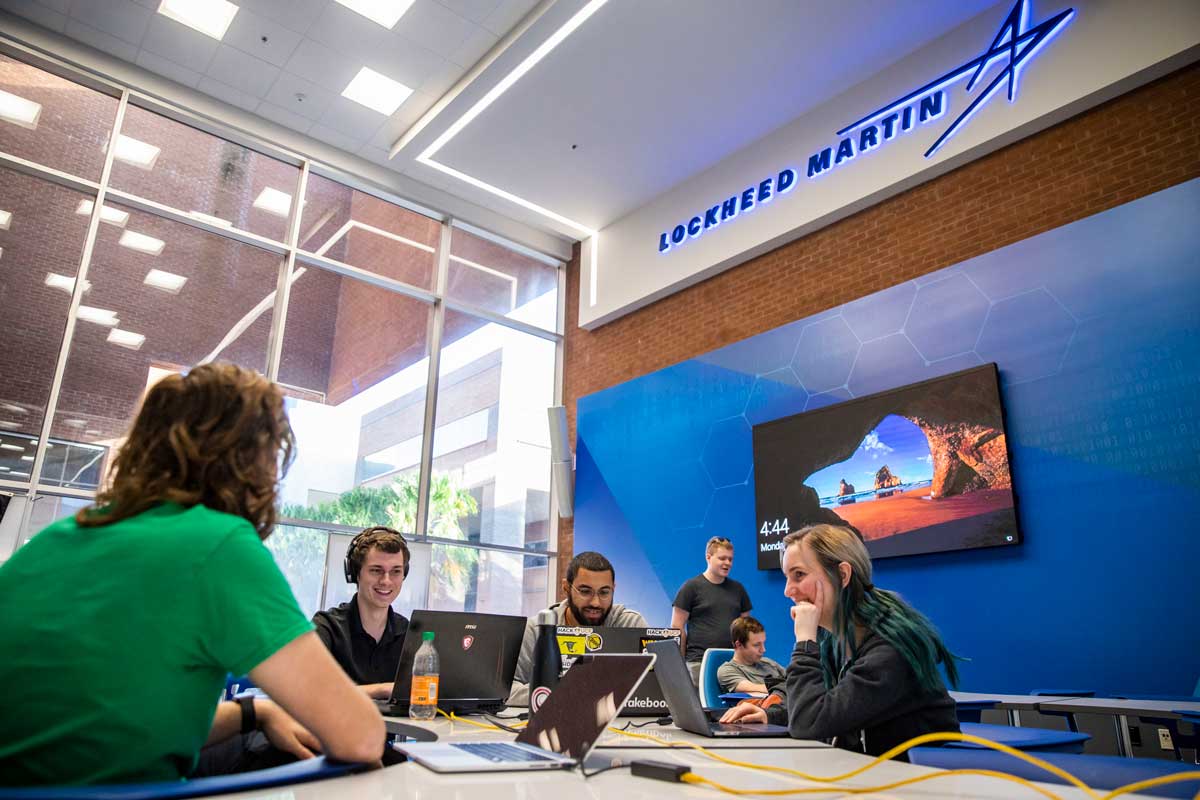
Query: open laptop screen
{"points": [[477, 654], [585, 702]]}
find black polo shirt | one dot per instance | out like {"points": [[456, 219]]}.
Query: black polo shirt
{"points": [[363, 659]]}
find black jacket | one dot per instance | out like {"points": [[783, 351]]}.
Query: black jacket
{"points": [[875, 705]]}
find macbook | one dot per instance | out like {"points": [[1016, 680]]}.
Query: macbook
{"points": [[562, 732], [684, 702]]}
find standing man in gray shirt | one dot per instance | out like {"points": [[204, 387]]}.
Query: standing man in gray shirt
{"points": [[749, 670], [708, 604], [589, 586]]}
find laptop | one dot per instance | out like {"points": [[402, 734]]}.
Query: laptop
{"points": [[477, 656], [647, 699], [686, 711], [562, 732]]}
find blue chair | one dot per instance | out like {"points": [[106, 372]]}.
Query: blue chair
{"points": [[313, 769], [1099, 772], [1038, 740], [710, 687], [235, 686]]}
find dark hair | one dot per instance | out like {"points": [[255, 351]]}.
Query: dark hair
{"points": [[379, 537], [591, 561], [861, 602], [217, 436], [742, 628]]}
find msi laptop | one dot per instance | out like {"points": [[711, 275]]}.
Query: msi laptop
{"points": [[647, 699], [684, 702], [477, 656], [562, 732]]}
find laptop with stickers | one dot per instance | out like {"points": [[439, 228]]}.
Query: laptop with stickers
{"points": [[647, 699]]}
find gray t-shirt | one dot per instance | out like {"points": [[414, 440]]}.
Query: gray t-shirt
{"points": [[731, 673], [711, 607]]}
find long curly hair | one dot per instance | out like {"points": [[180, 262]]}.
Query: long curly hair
{"points": [[861, 602], [217, 436]]}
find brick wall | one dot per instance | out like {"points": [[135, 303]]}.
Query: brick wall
{"points": [[1137, 144]]}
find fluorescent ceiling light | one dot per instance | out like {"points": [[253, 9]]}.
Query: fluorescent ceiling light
{"points": [[274, 202], [100, 316], [67, 284], [141, 242], [386, 12], [125, 339], [210, 17], [19, 474], [19, 111], [15, 409], [109, 214], [27, 458], [5, 219], [3, 469], [136, 152], [16, 447], [210, 219], [74, 423], [167, 281], [376, 92]]}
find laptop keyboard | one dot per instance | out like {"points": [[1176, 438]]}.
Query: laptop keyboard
{"points": [[499, 753]]}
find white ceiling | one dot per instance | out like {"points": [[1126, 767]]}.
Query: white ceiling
{"points": [[650, 91]]}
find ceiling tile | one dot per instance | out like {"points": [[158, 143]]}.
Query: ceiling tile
{"points": [[474, 48], [474, 10], [245, 73], [403, 60], [335, 138], [284, 117], [313, 104], [229, 94], [39, 13], [444, 77], [347, 31], [436, 27], [248, 30], [168, 68], [181, 44], [295, 15], [323, 66], [101, 40], [61, 6], [121, 18], [349, 118], [376, 156], [508, 14]]}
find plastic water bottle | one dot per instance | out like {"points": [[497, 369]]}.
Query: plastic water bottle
{"points": [[422, 699]]}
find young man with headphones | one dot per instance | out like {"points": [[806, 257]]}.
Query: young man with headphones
{"points": [[365, 635]]}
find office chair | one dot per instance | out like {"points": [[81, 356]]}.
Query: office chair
{"points": [[710, 687]]}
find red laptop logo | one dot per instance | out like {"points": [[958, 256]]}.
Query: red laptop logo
{"points": [[467, 642]]}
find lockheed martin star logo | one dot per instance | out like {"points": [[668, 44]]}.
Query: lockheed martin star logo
{"points": [[1015, 42]]}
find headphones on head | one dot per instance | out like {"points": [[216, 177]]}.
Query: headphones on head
{"points": [[352, 563]]}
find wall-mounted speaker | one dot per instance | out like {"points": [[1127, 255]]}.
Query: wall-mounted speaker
{"points": [[562, 463]]}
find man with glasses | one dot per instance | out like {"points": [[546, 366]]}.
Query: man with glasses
{"points": [[589, 586], [708, 604], [365, 635]]}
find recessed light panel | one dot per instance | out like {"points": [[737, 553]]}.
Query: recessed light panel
{"points": [[210, 17], [141, 242], [376, 92], [385, 12], [5, 219], [18, 110], [109, 214], [67, 284], [274, 202], [99, 316], [128, 339], [14, 447], [136, 152], [167, 281]]}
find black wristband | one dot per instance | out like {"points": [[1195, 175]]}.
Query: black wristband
{"points": [[249, 716]]}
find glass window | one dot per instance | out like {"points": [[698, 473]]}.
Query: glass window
{"points": [[363, 231], [491, 446], [300, 553], [187, 169], [51, 121], [41, 238], [355, 363], [162, 296], [502, 280], [46, 509], [412, 594], [487, 581]]}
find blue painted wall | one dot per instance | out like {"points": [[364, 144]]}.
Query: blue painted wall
{"points": [[1095, 328]]}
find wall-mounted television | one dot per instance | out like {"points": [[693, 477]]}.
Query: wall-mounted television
{"points": [[923, 468]]}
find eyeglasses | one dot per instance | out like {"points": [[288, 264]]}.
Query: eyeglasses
{"points": [[587, 592]]}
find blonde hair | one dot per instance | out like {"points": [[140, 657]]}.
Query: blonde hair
{"points": [[717, 543]]}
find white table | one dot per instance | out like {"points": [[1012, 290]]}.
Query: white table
{"points": [[1014, 704], [1121, 711], [418, 783]]}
